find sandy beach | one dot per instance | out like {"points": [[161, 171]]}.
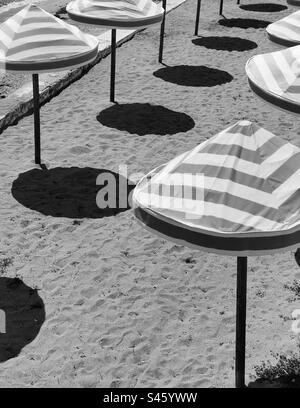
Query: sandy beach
{"points": [[116, 306]]}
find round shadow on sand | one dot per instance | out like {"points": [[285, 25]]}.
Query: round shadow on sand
{"points": [[243, 23], [73, 192], [263, 7], [187, 75], [145, 119], [225, 43], [22, 314]]}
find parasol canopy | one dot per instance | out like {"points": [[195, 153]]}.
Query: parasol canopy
{"points": [[35, 41], [286, 31], [126, 14], [275, 77], [237, 193]]}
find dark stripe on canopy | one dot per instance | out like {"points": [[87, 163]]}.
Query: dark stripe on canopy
{"points": [[115, 23], [49, 65], [276, 100], [219, 243]]}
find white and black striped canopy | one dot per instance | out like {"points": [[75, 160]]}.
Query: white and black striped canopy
{"points": [[237, 193], [275, 77], [126, 14], [36, 41], [286, 31]]}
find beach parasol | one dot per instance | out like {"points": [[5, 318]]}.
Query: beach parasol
{"points": [[286, 31], [34, 41], [236, 194], [275, 77], [119, 14]]}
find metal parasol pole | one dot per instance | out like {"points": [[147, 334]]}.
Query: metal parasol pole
{"points": [[197, 17], [37, 122], [221, 8], [162, 32], [241, 304], [113, 65]]}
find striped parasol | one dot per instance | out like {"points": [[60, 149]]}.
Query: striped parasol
{"points": [[275, 77], [126, 14], [286, 31], [35, 41], [122, 14], [237, 194]]}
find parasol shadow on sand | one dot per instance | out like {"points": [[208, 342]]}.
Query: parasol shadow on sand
{"points": [[225, 43], [72, 192], [197, 76], [243, 23], [264, 7], [293, 2], [22, 316], [145, 119]]}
